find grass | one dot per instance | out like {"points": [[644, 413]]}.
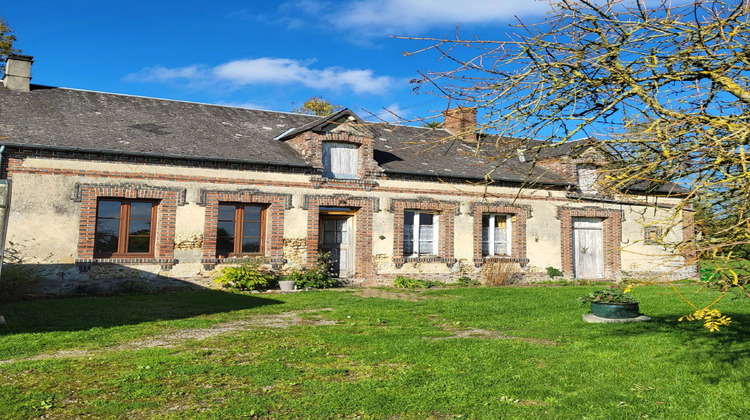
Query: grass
{"points": [[380, 358], [741, 267]]}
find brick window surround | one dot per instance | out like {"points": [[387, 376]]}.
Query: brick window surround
{"points": [[612, 236], [519, 217], [363, 209], [275, 204], [446, 212], [167, 199]]}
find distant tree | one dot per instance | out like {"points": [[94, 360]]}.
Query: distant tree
{"points": [[432, 124], [6, 44], [663, 85], [318, 106]]}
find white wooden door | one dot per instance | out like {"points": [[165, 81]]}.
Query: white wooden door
{"points": [[335, 237], [588, 248]]}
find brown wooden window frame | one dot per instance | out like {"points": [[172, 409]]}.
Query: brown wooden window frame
{"points": [[239, 217], [124, 229]]}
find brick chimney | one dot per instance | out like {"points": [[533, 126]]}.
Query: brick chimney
{"points": [[18, 72], [461, 122]]}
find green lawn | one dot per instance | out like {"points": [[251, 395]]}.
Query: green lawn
{"points": [[456, 353]]}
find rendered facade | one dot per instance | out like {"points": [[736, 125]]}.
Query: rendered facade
{"points": [[107, 187]]}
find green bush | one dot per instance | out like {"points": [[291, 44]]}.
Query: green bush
{"points": [[402, 282], [467, 281], [17, 281], [318, 277], [554, 272], [247, 276]]}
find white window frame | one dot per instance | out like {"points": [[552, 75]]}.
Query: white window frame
{"points": [[508, 235], [332, 169], [415, 232]]}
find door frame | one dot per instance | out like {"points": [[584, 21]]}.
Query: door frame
{"points": [[592, 224], [349, 216], [612, 223]]}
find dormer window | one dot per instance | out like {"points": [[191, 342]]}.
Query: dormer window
{"points": [[340, 160], [587, 175]]}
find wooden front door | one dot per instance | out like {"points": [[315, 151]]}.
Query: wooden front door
{"points": [[588, 248], [336, 238]]}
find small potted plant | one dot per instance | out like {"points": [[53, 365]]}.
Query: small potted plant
{"points": [[613, 303], [287, 283]]}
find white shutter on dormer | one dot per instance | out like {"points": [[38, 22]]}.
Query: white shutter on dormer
{"points": [[340, 160]]}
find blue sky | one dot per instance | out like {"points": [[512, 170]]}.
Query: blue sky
{"points": [[257, 54]]}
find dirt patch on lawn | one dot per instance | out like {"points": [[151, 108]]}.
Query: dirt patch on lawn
{"points": [[411, 295], [167, 340], [488, 334]]}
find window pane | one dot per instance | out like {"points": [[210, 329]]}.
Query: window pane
{"points": [[106, 243], [225, 229], [109, 209], [329, 238], [251, 229], [139, 243], [501, 248], [226, 212], [251, 245], [140, 227], [253, 213], [501, 234], [224, 245], [408, 232], [108, 226], [408, 247], [485, 248], [140, 210], [426, 232]]}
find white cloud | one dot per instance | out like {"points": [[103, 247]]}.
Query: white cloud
{"points": [[413, 16], [392, 113], [160, 74], [248, 105], [267, 70]]}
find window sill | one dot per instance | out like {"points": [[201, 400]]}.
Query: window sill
{"points": [[84, 264], [478, 262], [400, 261]]}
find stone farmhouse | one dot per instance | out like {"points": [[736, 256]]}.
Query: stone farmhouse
{"points": [[101, 187]]}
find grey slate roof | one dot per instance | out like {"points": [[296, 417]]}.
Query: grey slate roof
{"points": [[68, 118], [93, 120]]}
